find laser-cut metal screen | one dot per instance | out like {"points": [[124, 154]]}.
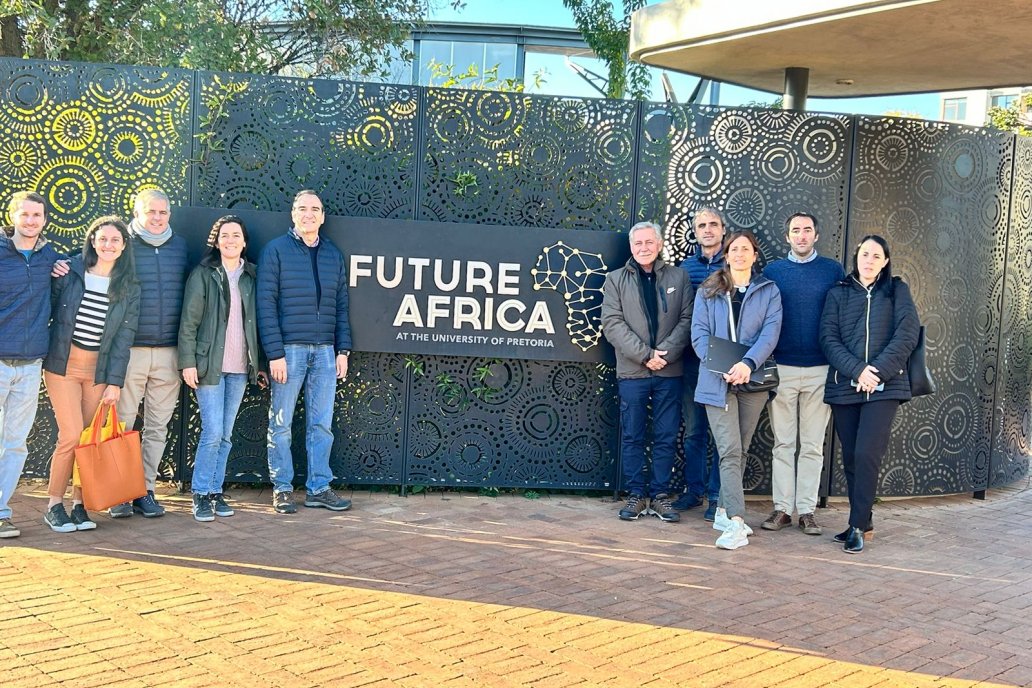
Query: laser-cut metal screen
{"points": [[955, 203]]}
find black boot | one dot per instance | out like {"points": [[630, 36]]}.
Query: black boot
{"points": [[854, 541]]}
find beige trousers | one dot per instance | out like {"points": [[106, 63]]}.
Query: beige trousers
{"points": [[799, 420], [153, 378]]}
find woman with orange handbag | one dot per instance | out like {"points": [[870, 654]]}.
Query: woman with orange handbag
{"points": [[95, 309]]}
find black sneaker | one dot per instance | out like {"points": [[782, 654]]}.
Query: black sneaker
{"points": [[283, 502], [202, 510], [327, 499], [636, 506], [662, 507], [148, 506], [81, 519], [121, 511], [218, 504], [57, 518]]}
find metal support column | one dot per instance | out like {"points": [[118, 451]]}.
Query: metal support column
{"points": [[797, 83]]}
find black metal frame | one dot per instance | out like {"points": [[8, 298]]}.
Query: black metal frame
{"points": [[958, 195]]}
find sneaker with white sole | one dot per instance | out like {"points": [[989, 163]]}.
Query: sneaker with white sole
{"points": [[327, 499], [81, 519], [721, 522], [218, 504], [734, 537], [57, 518], [8, 529]]}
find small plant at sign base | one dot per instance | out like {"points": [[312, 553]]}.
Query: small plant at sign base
{"points": [[531, 494]]}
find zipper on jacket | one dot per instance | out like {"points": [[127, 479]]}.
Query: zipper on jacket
{"points": [[867, 332]]}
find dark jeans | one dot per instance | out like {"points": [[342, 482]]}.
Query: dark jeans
{"points": [[863, 431], [663, 395], [699, 479]]}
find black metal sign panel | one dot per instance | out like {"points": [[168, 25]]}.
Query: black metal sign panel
{"points": [[458, 290]]}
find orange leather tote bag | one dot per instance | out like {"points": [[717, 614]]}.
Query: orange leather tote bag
{"points": [[108, 462]]}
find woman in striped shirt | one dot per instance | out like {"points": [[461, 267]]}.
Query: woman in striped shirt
{"points": [[95, 309]]}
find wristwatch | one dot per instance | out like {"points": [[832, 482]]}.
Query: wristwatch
{"points": [[344, 352]]}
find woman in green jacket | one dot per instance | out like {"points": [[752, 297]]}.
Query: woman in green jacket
{"points": [[218, 354]]}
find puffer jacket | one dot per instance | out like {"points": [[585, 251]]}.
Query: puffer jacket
{"points": [[876, 325], [759, 327], [202, 329], [287, 309], [24, 298], [625, 324], [161, 271], [119, 327]]}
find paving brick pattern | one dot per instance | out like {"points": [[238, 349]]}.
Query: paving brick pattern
{"points": [[451, 589]]}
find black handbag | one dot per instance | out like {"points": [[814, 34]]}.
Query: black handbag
{"points": [[770, 380], [767, 373], [921, 380]]}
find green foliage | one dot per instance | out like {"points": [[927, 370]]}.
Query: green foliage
{"points": [[314, 37], [531, 494], [465, 183], [608, 36], [1014, 118], [415, 365]]}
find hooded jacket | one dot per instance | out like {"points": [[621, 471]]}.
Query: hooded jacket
{"points": [[759, 327], [625, 323]]}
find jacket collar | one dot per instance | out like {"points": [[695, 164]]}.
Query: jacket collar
{"points": [[8, 235], [633, 266]]}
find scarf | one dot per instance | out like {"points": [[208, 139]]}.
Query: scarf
{"points": [[148, 237]]}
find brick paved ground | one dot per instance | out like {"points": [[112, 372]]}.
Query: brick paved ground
{"points": [[448, 589]]}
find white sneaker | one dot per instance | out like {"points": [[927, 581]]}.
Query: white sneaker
{"points": [[721, 522], [734, 537]]}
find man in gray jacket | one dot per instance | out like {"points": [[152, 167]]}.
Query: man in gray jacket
{"points": [[646, 316]]}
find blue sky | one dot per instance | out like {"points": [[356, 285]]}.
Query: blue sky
{"points": [[553, 13]]}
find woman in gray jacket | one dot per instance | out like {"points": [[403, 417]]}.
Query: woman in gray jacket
{"points": [[738, 304]]}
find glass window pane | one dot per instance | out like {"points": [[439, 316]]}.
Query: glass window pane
{"points": [[439, 51], [503, 55], [466, 54]]}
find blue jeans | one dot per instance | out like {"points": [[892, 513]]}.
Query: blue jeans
{"points": [[314, 366], [19, 394], [219, 404], [664, 395], [700, 479]]}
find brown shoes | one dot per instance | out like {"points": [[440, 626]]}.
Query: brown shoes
{"points": [[777, 520], [808, 524]]}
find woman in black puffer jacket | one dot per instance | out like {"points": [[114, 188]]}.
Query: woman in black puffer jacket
{"points": [[869, 327]]}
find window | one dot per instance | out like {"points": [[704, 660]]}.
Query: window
{"points": [[954, 109], [460, 55], [1003, 101]]}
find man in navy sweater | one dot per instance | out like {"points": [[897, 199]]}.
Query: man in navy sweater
{"points": [[26, 260], [709, 227], [302, 303], [798, 414]]}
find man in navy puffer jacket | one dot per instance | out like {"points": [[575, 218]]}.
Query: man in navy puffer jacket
{"points": [[302, 301], [153, 374], [26, 260]]}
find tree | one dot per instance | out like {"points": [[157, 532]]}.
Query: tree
{"points": [[609, 37], [1015, 118], [312, 37]]}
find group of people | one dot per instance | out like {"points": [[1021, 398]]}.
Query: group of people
{"points": [[840, 344], [126, 321]]}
